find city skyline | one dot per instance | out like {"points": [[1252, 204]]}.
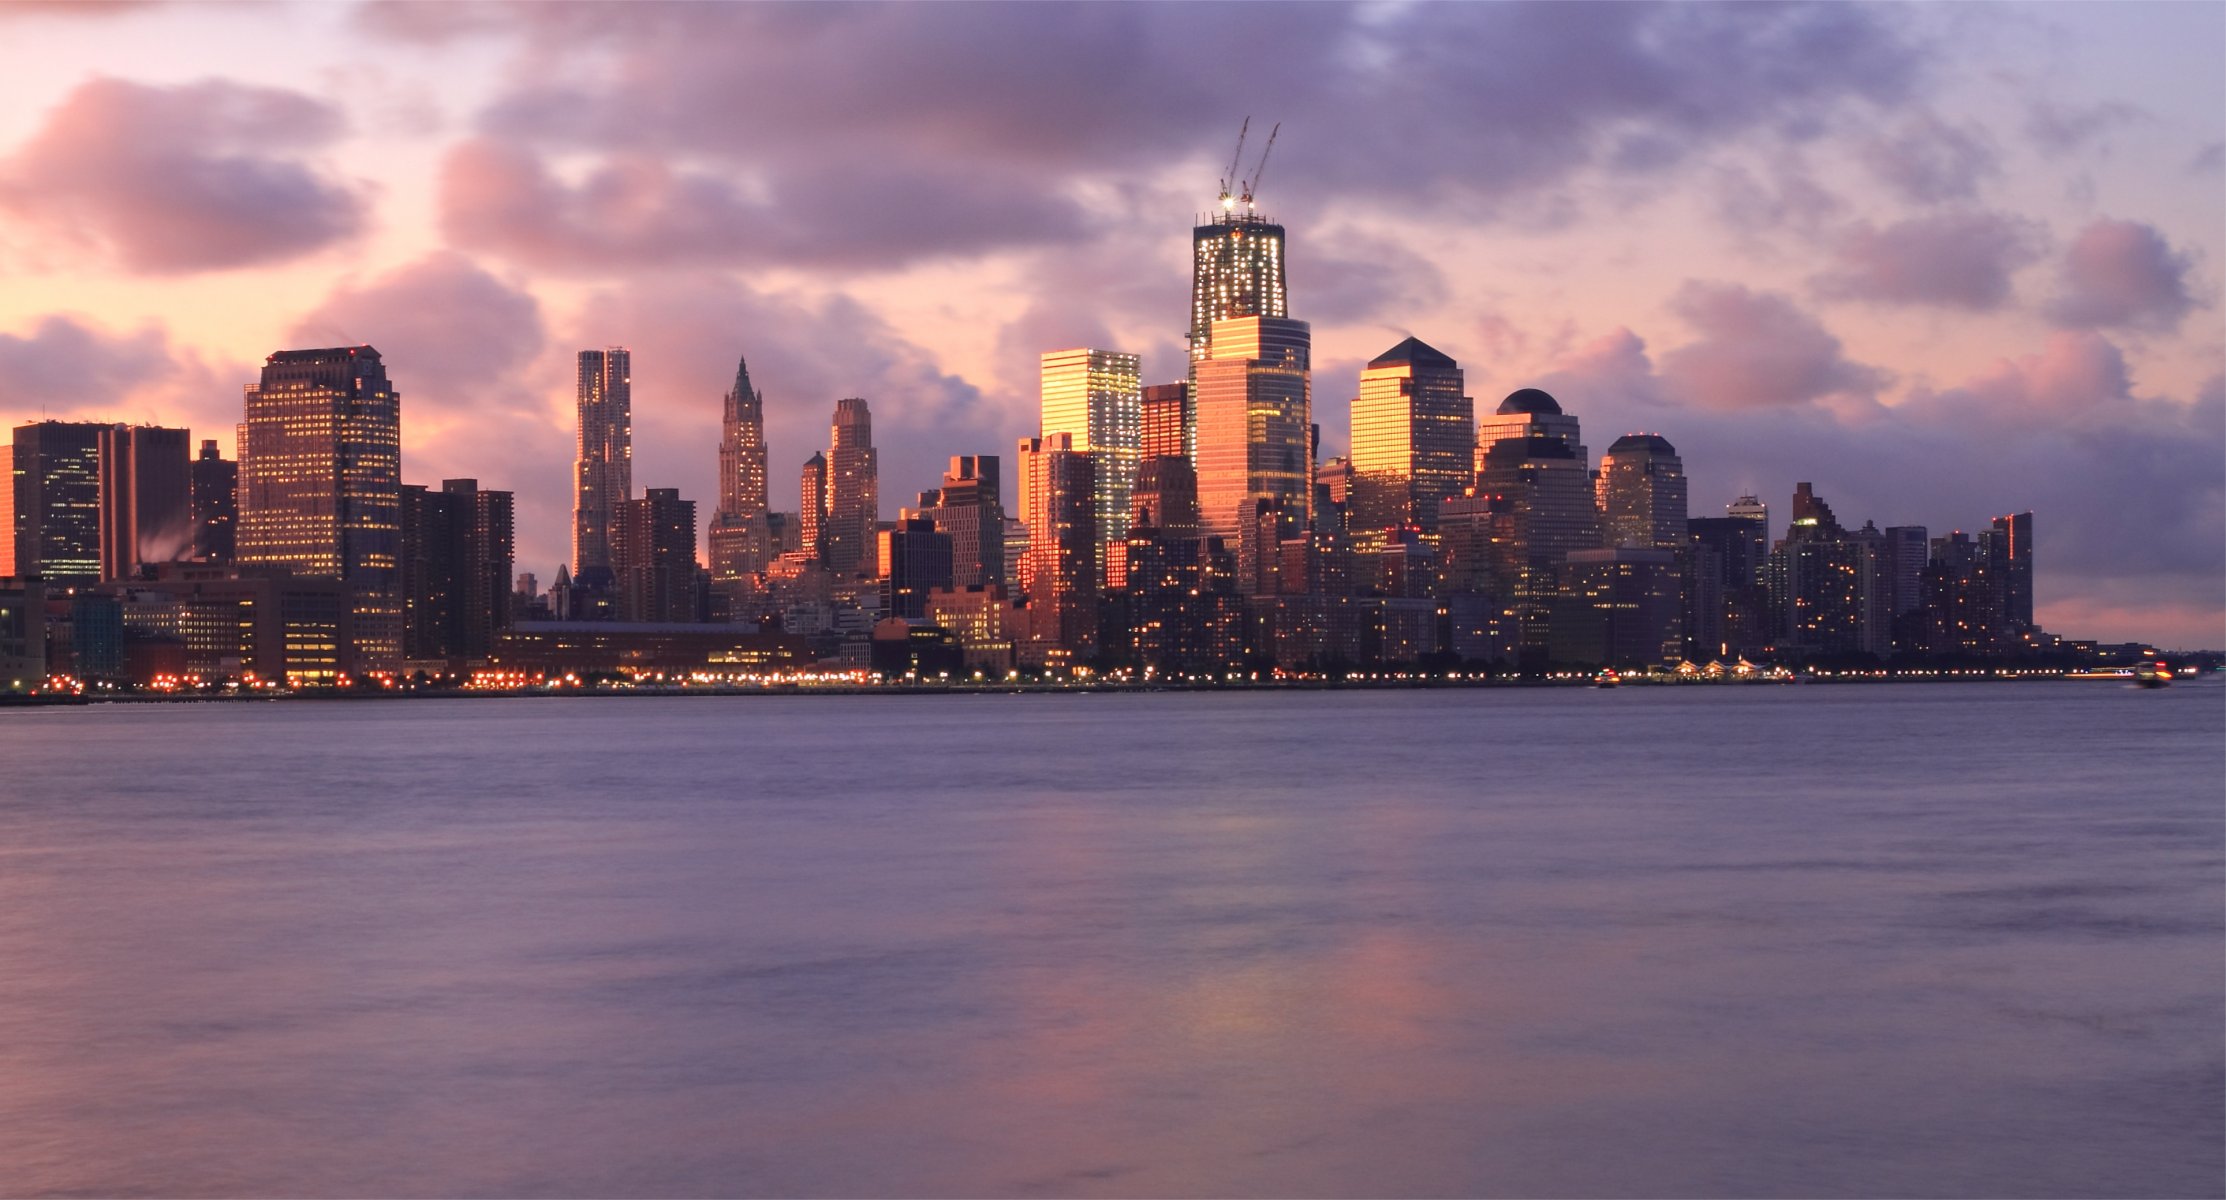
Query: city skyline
{"points": [[2053, 346]]}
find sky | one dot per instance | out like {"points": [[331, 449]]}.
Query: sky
{"points": [[1943, 261]]}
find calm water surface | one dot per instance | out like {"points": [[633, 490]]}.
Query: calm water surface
{"points": [[1876, 941]]}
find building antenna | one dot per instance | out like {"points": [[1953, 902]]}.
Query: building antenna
{"points": [[1229, 177], [1253, 184]]}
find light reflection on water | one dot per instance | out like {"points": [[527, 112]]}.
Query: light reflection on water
{"points": [[1951, 939]]}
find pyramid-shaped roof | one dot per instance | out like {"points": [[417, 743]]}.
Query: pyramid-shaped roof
{"points": [[1414, 352]]}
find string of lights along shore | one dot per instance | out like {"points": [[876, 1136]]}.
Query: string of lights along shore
{"points": [[1184, 530]]}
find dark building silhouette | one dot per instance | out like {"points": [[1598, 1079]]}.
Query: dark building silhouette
{"points": [[216, 504], [653, 555], [57, 502], [915, 560], [146, 510]]}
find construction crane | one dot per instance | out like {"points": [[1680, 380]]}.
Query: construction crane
{"points": [[1253, 185], [1229, 177]]}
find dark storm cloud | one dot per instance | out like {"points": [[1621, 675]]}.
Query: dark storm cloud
{"points": [[195, 177], [1956, 260], [796, 122], [2122, 274]]}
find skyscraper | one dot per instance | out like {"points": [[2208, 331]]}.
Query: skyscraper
{"points": [[653, 557], [57, 501], [321, 483], [146, 498], [1641, 492], [1549, 492], [740, 537], [1097, 396], [1254, 400], [216, 504], [603, 476], [812, 519], [1530, 413], [1059, 574], [1413, 433], [970, 508], [1165, 406], [2011, 548], [853, 491], [1237, 270]]}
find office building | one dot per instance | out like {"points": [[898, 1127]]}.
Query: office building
{"points": [[853, 492], [22, 634], [1548, 494], [56, 495], [1059, 574], [457, 554], [1530, 413], [1253, 396], [1097, 397], [216, 505], [915, 559], [1165, 408], [1641, 494], [1619, 607], [320, 490], [2011, 552], [811, 521], [603, 475], [653, 558], [740, 536], [1413, 436], [970, 508], [146, 497]]}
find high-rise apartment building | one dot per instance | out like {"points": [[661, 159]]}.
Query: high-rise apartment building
{"points": [[146, 498], [653, 557], [320, 488], [216, 504], [603, 475], [1254, 402], [853, 492], [1413, 438], [2011, 548], [1641, 494], [811, 521], [740, 536], [57, 502], [1097, 397]]}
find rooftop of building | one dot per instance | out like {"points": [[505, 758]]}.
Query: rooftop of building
{"points": [[1412, 352], [1652, 443], [1529, 400]]}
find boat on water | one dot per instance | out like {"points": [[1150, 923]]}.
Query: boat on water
{"points": [[2148, 673], [1607, 678]]}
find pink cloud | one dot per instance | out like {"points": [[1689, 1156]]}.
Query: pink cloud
{"points": [[1758, 350], [2123, 274], [1954, 260], [195, 177]]}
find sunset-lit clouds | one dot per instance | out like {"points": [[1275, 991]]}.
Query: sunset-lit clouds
{"points": [[1958, 259], [183, 179], [1944, 260]]}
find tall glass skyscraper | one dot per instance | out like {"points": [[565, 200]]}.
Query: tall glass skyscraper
{"points": [[1097, 396], [1641, 492], [603, 475], [1413, 433], [1237, 271], [321, 483], [853, 491], [1255, 424]]}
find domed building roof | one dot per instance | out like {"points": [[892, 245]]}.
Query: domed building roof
{"points": [[1529, 400], [1652, 443]]}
